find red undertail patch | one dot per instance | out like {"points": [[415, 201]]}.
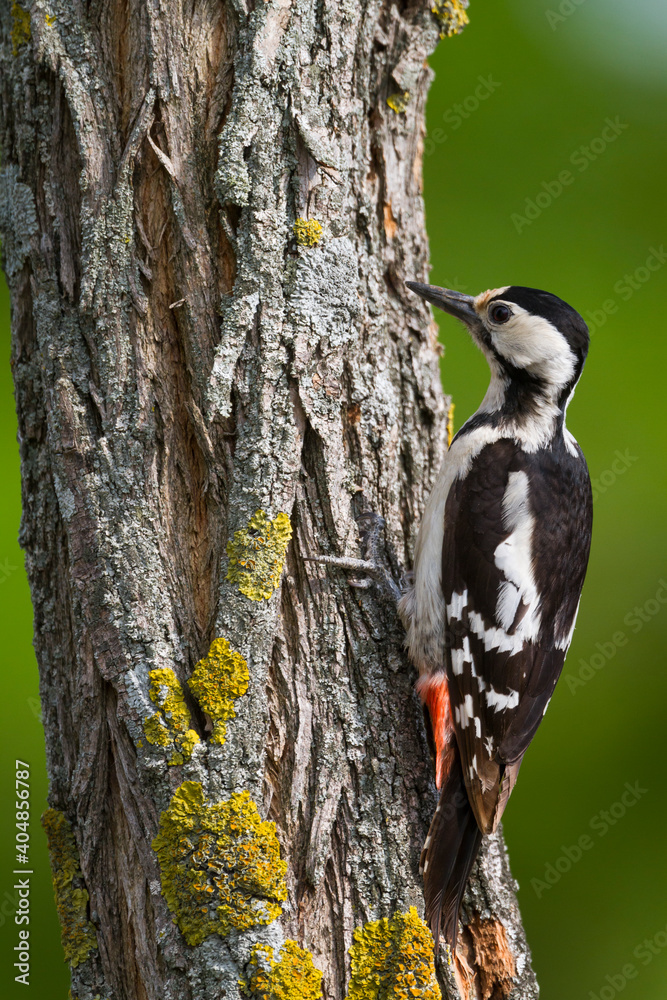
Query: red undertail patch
{"points": [[434, 693]]}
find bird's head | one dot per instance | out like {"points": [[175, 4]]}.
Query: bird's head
{"points": [[527, 335]]}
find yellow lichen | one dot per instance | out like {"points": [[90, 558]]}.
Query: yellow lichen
{"points": [[188, 743], [308, 232], [220, 864], [292, 977], [156, 732], [170, 727], [219, 678], [450, 424], [20, 27], [451, 16], [399, 102], [393, 960], [256, 555], [77, 933]]}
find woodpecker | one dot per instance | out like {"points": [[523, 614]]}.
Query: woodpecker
{"points": [[499, 566]]}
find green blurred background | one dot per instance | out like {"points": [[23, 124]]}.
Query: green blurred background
{"points": [[550, 78], [550, 83]]}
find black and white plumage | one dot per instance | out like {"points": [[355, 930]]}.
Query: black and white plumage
{"points": [[499, 566]]}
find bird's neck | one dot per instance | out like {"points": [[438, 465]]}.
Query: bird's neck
{"points": [[524, 407]]}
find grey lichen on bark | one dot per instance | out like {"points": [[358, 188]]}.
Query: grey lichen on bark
{"points": [[181, 362]]}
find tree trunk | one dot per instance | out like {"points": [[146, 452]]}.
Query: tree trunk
{"points": [[186, 357]]}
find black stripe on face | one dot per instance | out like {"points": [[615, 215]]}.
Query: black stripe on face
{"points": [[556, 311], [522, 397], [566, 320]]}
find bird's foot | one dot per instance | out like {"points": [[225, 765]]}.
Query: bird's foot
{"points": [[379, 565], [372, 571]]}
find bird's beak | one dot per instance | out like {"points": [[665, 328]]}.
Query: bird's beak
{"points": [[454, 303]]}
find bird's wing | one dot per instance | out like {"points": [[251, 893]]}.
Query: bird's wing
{"points": [[517, 534]]}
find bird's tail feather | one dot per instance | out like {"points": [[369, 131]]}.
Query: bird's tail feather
{"points": [[449, 853]]}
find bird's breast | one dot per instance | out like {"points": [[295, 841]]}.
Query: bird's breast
{"points": [[423, 608]]}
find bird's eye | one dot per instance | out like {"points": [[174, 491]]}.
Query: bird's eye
{"points": [[500, 313]]}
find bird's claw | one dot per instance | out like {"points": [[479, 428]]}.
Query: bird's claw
{"points": [[373, 569]]}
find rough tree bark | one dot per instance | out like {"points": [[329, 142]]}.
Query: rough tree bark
{"points": [[184, 358]]}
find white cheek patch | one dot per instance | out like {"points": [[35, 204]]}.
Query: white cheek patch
{"points": [[534, 343]]}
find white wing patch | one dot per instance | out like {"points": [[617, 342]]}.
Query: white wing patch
{"points": [[513, 557], [570, 440], [467, 712], [494, 638], [500, 702], [458, 603], [564, 642], [461, 657]]}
